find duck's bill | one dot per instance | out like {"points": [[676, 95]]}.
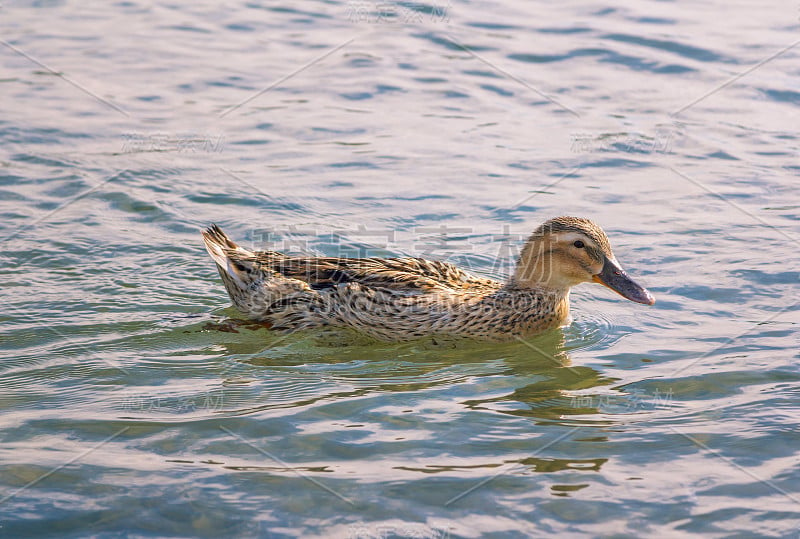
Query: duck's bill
{"points": [[615, 278]]}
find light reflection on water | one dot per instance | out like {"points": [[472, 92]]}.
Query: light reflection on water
{"points": [[134, 402]]}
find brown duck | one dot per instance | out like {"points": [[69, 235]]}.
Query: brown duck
{"points": [[395, 299]]}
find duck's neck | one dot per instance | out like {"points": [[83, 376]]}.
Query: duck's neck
{"points": [[544, 307]]}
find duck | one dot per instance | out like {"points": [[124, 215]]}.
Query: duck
{"points": [[401, 299]]}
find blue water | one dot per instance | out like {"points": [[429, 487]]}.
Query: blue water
{"points": [[134, 401]]}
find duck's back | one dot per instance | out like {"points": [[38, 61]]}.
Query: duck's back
{"points": [[414, 275]]}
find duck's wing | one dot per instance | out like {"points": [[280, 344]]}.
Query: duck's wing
{"points": [[402, 274]]}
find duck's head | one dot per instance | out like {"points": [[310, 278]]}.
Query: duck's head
{"points": [[566, 251]]}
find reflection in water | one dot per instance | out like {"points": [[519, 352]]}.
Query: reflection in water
{"points": [[532, 464], [299, 370], [533, 379], [548, 399]]}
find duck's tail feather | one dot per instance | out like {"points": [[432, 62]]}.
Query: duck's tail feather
{"points": [[232, 260], [255, 289]]}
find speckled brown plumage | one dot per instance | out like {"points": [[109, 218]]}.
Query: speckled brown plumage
{"points": [[396, 299]]}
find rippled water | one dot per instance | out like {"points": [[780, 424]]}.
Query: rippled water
{"points": [[135, 402]]}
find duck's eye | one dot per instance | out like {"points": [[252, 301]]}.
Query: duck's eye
{"points": [[579, 244]]}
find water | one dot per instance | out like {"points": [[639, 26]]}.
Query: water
{"points": [[134, 402]]}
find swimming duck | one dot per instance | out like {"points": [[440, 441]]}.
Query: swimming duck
{"points": [[396, 299]]}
